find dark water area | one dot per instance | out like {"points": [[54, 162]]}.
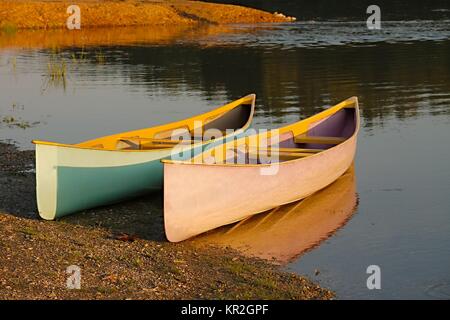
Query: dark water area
{"points": [[351, 10], [397, 212]]}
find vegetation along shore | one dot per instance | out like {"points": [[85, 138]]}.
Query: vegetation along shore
{"points": [[42, 14]]}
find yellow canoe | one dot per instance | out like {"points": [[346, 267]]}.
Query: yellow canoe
{"points": [[109, 169]]}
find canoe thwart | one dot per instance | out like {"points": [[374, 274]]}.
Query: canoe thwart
{"points": [[272, 149], [281, 154], [159, 141], [318, 139]]}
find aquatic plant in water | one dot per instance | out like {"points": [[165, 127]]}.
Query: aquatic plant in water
{"points": [[100, 57], [56, 70], [78, 57], [12, 122], [13, 62]]}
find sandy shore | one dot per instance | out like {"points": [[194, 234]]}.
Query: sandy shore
{"points": [[39, 14], [122, 252]]}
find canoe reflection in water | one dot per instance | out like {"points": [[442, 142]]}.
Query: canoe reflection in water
{"points": [[284, 233]]}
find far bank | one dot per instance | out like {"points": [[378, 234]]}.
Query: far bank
{"points": [[34, 14]]}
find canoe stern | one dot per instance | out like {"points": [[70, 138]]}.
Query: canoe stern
{"points": [[46, 180]]}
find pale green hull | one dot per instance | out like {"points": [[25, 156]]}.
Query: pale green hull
{"points": [[84, 188], [81, 188]]}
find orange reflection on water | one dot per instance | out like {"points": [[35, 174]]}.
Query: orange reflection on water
{"points": [[107, 36], [284, 233]]}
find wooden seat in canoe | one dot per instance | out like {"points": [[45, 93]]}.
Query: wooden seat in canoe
{"points": [[318, 139], [140, 143], [160, 141], [273, 149], [281, 154]]}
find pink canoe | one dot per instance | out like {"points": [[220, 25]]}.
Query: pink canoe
{"points": [[238, 179]]}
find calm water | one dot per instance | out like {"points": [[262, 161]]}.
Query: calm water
{"points": [[399, 217]]}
